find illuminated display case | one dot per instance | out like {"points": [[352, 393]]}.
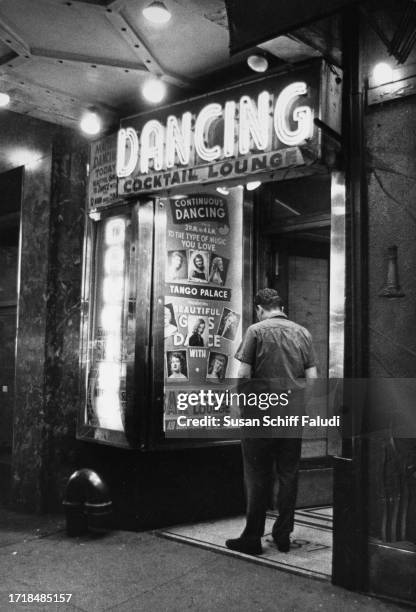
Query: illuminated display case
{"points": [[106, 398], [115, 306], [130, 287]]}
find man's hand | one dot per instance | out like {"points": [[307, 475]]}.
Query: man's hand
{"points": [[244, 370], [310, 375]]}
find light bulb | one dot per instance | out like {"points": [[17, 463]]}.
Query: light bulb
{"points": [[157, 12], [258, 63], [252, 185], [154, 90], [223, 190], [91, 124], [382, 73], [4, 99]]}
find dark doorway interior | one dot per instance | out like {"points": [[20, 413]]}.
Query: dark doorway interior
{"points": [[302, 262], [10, 202], [294, 257]]}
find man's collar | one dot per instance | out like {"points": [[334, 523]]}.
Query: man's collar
{"points": [[277, 315]]}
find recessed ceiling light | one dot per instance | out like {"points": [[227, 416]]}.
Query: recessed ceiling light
{"points": [[252, 185], [258, 63], [156, 12], [154, 90], [91, 123], [223, 190], [4, 99]]}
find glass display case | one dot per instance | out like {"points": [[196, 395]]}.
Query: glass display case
{"points": [[163, 310]]}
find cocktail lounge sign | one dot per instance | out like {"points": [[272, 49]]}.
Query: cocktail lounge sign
{"points": [[259, 127]]}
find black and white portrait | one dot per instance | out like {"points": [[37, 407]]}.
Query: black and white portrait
{"points": [[229, 322], [218, 270], [177, 266], [217, 366], [177, 365], [198, 268]]}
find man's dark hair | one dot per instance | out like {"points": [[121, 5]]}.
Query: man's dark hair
{"points": [[268, 299]]}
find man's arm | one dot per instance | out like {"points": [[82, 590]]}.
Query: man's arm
{"points": [[310, 375], [244, 370]]}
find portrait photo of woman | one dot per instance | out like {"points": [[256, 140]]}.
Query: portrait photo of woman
{"points": [[197, 329], [177, 266], [217, 366], [218, 270], [228, 326], [177, 365], [170, 322], [198, 266]]}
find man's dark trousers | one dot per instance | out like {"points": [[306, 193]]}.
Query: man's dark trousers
{"points": [[259, 454]]}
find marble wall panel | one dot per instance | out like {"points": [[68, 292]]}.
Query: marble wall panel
{"points": [[46, 374], [63, 318], [391, 143], [29, 421]]}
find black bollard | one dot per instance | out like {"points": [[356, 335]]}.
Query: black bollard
{"points": [[87, 503]]}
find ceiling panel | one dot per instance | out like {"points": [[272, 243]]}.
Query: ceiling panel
{"points": [[289, 49], [80, 29], [69, 55], [4, 50], [188, 44], [102, 85]]}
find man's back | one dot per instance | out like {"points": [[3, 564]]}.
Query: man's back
{"points": [[278, 348]]}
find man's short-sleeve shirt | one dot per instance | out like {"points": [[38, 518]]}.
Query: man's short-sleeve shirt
{"points": [[277, 348]]}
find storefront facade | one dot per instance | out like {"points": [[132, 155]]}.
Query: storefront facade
{"points": [[318, 229]]}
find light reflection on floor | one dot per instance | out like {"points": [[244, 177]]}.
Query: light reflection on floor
{"points": [[311, 541]]}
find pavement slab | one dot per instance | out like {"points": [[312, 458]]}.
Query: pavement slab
{"points": [[128, 571]]}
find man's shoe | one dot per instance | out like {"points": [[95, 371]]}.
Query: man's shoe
{"points": [[249, 546], [282, 543]]}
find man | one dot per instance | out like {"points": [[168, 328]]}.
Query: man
{"points": [[273, 348]]}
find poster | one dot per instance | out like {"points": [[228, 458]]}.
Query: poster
{"points": [[102, 184], [203, 294]]}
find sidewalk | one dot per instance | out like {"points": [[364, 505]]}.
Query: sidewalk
{"points": [[125, 571]]}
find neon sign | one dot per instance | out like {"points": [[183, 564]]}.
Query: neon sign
{"points": [[262, 126], [162, 145]]}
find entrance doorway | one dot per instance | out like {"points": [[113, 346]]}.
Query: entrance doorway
{"points": [[299, 237], [302, 280], [10, 199], [296, 252]]}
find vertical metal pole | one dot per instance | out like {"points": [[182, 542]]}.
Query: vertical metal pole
{"points": [[350, 562], [357, 240]]}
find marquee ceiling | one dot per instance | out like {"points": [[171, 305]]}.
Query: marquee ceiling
{"points": [[58, 58]]}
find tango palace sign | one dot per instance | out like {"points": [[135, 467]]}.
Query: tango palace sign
{"points": [[258, 127]]}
